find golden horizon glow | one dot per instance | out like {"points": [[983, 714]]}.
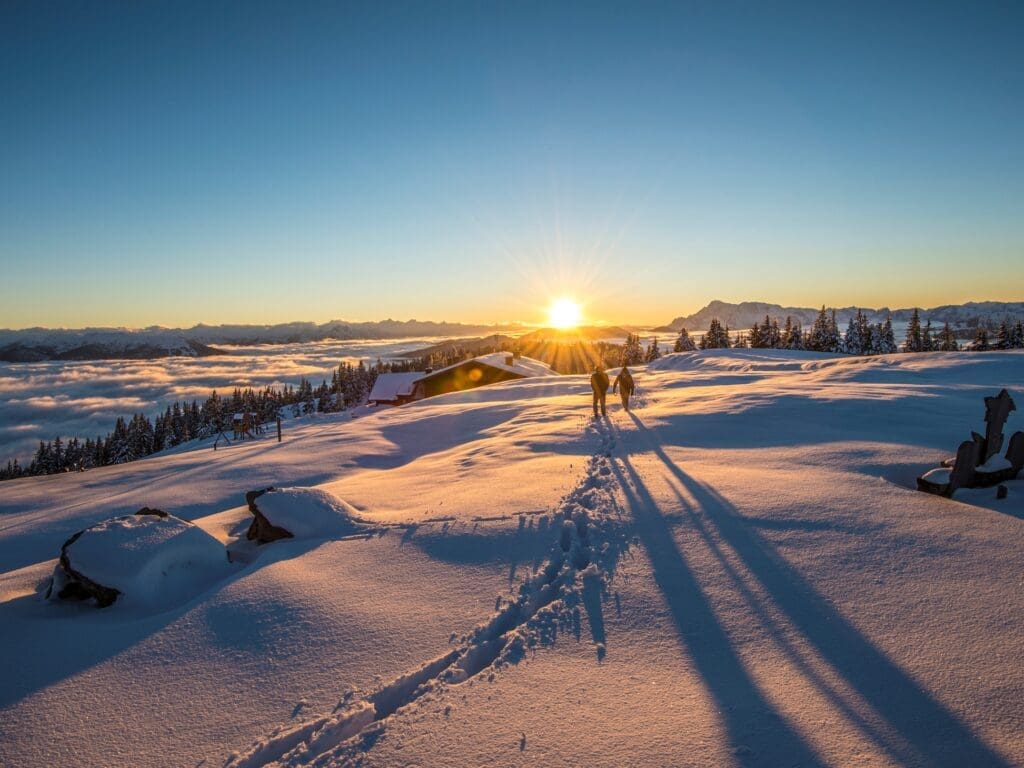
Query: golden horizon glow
{"points": [[564, 313]]}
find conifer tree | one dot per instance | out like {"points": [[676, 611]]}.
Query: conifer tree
{"points": [[820, 337], [947, 339], [1004, 339], [981, 340], [1018, 335], [653, 352], [754, 338], [633, 351], [716, 337], [683, 342], [887, 339], [792, 335], [853, 344], [927, 343], [912, 343]]}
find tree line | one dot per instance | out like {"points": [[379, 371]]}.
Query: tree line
{"points": [[860, 338], [139, 436]]}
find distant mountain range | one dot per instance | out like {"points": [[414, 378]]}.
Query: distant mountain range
{"points": [[37, 344], [746, 313]]}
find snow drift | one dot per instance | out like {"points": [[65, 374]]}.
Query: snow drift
{"points": [[149, 559], [304, 513]]}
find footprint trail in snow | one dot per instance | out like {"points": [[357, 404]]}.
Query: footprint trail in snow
{"points": [[582, 558]]}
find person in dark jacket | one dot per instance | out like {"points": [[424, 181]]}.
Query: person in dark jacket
{"points": [[626, 386], [599, 383]]}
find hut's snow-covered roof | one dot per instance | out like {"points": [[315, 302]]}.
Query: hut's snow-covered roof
{"points": [[390, 386], [524, 366]]}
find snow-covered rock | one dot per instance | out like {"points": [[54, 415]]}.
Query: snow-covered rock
{"points": [[149, 559], [303, 513]]}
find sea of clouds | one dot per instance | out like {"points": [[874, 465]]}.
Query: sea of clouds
{"points": [[39, 401]]}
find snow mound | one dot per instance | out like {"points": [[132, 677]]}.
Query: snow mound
{"points": [[146, 560], [309, 512]]}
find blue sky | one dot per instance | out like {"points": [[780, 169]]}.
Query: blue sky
{"points": [[174, 163]]}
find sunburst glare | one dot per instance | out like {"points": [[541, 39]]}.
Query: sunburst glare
{"points": [[564, 313]]}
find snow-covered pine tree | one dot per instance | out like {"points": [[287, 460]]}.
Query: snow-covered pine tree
{"points": [[1004, 338], [792, 335], [887, 341], [853, 344], [774, 340], [981, 340], [683, 342], [912, 342], [117, 448], [818, 337], [754, 338], [835, 339], [1018, 335], [716, 337], [947, 339], [633, 351], [927, 343], [865, 332], [653, 352]]}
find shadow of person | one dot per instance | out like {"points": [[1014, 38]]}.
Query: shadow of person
{"points": [[930, 733], [758, 734]]}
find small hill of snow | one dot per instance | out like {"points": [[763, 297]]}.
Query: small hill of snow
{"points": [[151, 561], [310, 512]]}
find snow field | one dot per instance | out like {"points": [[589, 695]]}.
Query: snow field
{"points": [[547, 600], [738, 573]]}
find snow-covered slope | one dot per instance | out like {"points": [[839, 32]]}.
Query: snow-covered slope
{"points": [[736, 573]]}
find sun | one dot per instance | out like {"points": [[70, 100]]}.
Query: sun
{"points": [[564, 313]]}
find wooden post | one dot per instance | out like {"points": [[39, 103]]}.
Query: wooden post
{"points": [[279, 429]]}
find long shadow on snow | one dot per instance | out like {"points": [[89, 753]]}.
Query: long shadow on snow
{"points": [[432, 434], [415, 439], [935, 735], [93, 635], [796, 419], [757, 733]]}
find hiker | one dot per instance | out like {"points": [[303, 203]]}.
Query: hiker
{"points": [[624, 383], [599, 383]]}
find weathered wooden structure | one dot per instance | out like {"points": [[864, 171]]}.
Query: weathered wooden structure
{"points": [[977, 463], [401, 388], [245, 425]]}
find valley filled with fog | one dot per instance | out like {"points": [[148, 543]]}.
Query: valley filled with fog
{"points": [[39, 401]]}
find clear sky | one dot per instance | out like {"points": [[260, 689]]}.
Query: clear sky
{"points": [[171, 163]]}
